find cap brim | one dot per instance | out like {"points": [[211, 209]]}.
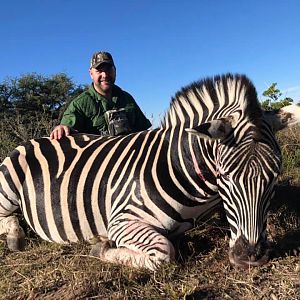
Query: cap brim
{"points": [[101, 63]]}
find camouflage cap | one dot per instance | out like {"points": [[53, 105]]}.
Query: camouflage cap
{"points": [[101, 57]]}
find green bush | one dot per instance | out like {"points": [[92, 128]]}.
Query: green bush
{"points": [[31, 105]]}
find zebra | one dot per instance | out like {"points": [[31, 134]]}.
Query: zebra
{"points": [[130, 195]]}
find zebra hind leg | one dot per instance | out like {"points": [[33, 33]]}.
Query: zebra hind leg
{"points": [[9, 224], [138, 245], [14, 233]]}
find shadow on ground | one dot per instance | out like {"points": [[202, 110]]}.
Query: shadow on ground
{"points": [[207, 235], [289, 196], [286, 203]]}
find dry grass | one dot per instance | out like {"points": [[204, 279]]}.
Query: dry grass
{"points": [[202, 269]]}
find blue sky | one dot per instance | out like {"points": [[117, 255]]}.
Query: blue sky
{"points": [[159, 46]]}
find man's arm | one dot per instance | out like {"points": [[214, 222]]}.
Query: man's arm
{"points": [[70, 119], [140, 120], [142, 123]]}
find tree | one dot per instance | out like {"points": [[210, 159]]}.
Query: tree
{"points": [[31, 105], [274, 101], [33, 93]]}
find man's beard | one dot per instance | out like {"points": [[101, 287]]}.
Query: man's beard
{"points": [[108, 82]]}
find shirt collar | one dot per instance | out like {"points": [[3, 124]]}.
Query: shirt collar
{"points": [[115, 93]]}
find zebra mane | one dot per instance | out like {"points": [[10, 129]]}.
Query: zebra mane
{"points": [[213, 98]]}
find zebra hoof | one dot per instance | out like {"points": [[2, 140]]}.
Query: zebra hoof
{"points": [[99, 248], [15, 244]]}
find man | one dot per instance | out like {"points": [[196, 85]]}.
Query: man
{"points": [[103, 109]]}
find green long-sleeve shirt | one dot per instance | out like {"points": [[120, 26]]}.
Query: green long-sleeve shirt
{"points": [[86, 112]]}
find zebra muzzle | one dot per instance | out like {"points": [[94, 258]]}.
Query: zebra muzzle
{"points": [[244, 255]]}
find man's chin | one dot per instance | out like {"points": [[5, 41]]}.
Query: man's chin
{"points": [[105, 86]]}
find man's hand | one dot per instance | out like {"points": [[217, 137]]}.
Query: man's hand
{"points": [[60, 131]]}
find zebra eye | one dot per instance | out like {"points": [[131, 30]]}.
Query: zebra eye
{"points": [[225, 176]]}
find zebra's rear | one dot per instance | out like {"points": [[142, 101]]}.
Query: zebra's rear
{"points": [[52, 182]]}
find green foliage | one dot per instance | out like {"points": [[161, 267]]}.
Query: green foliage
{"points": [[31, 105], [273, 101], [37, 93]]}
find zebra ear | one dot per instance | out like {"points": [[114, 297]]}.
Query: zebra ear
{"points": [[215, 129], [283, 117]]}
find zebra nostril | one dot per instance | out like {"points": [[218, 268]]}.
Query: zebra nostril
{"points": [[252, 258]]}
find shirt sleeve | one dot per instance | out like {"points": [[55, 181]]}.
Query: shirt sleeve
{"points": [[140, 122], [73, 117]]}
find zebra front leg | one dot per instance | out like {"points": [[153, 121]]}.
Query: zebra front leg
{"points": [[138, 245], [14, 233]]}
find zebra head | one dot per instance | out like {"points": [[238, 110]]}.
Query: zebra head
{"points": [[248, 162]]}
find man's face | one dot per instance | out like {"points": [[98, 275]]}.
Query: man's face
{"points": [[103, 77]]}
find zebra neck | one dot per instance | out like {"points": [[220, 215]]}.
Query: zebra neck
{"points": [[187, 162]]}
